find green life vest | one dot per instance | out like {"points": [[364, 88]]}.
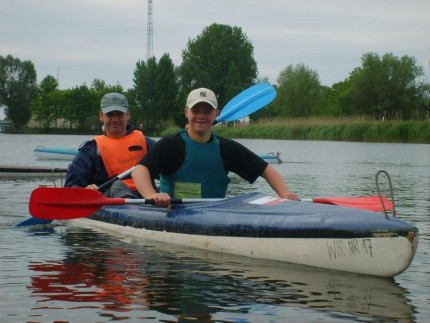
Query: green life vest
{"points": [[201, 175]]}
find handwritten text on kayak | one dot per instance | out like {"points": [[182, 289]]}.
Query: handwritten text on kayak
{"points": [[352, 247]]}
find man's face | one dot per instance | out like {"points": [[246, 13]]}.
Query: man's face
{"points": [[201, 117], [115, 123]]}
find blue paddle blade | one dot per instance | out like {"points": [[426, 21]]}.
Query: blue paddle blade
{"points": [[32, 221], [247, 102]]}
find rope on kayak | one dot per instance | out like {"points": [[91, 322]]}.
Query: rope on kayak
{"points": [[391, 192]]}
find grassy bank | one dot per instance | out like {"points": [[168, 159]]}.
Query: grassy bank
{"points": [[358, 130]]}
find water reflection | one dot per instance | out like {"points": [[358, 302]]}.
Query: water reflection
{"points": [[127, 278]]}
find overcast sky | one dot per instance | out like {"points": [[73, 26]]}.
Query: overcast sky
{"points": [[81, 40]]}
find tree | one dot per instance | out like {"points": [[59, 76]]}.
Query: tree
{"points": [[18, 86], [46, 108], [81, 107], [220, 58], [156, 92], [386, 86], [145, 90], [332, 97], [101, 88], [167, 104], [299, 92]]}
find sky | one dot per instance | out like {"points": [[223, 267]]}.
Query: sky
{"points": [[81, 40]]}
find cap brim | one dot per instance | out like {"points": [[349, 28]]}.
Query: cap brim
{"points": [[191, 105], [115, 108]]}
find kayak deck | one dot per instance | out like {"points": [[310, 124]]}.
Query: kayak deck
{"points": [[251, 215]]}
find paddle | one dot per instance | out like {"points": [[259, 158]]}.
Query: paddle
{"points": [[247, 102], [48, 203], [39, 221]]}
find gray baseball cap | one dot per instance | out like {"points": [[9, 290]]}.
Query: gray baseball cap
{"points": [[114, 102]]}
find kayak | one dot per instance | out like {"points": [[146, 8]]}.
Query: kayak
{"points": [[272, 158], [42, 152], [263, 227]]}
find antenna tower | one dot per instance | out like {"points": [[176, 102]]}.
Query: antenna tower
{"points": [[149, 33]]}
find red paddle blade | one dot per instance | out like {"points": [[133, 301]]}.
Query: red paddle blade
{"points": [[369, 203], [67, 203]]}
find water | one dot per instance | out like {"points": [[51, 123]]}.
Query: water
{"points": [[46, 272]]}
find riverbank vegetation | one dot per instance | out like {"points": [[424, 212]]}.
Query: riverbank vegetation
{"points": [[351, 129]]}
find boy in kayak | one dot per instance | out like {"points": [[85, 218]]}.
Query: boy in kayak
{"points": [[110, 154], [195, 162]]}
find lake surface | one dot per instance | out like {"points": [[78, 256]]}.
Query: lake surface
{"points": [[72, 274]]}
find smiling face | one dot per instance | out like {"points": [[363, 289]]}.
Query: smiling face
{"points": [[115, 123], [200, 119]]}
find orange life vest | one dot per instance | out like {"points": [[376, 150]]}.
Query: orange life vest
{"points": [[120, 154]]}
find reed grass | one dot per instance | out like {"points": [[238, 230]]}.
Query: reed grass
{"points": [[359, 129]]}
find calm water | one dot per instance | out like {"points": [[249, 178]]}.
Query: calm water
{"points": [[47, 272]]}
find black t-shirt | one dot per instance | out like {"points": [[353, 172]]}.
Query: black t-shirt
{"points": [[168, 155]]}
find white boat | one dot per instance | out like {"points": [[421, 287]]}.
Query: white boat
{"points": [[42, 152]]}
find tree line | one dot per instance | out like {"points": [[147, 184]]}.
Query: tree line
{"points": [[220, 58]]}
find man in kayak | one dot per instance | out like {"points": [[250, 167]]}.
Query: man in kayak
{"points": [[195, 162], [110, 154]]}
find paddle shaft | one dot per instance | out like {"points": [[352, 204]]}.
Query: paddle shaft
{"points": [[113, 179], [49, 203]]}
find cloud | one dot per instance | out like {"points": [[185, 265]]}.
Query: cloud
{"points": [[83, 40]]}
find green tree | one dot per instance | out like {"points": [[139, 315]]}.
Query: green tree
{"points": [[299, 92], [46, 108], [220, 58], [156, 92], [81, 107], [18, 86], [332, 96], [386, 86], [101, 88], [167, 104], [146, 91]]}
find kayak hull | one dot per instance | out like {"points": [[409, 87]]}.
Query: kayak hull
{"points": [[255, 226], [55, 153]]}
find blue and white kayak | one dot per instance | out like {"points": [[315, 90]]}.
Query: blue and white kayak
{"points": [[259, 226], [42, 152]]}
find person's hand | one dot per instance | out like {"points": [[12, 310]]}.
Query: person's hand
{"points": [[290, 196], [93, 187], [161, 199]]}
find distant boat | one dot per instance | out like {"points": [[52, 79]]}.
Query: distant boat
{"points": [[42, 152], [272, 158]]}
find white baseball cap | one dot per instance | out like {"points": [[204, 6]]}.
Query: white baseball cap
{"points": [[202, 95]]}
